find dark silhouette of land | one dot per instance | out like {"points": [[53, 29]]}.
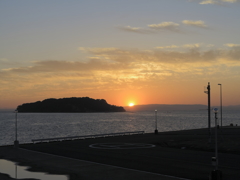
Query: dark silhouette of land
{"points": [[74, 104], [164, 107]]}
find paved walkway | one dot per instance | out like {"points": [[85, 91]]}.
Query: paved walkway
{"points": [[75, 169], [166, 156]]}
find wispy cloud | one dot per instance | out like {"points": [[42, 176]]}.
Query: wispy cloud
{"points": [[135, 29], [170, 26], [198, 23], [231, 1], [218, 2], [165, 27], [115, 68], [186, 46], [232, 45], [197, 45], [210, 2], [114, 59], [168, 47], [153, 28], [100, 50]]}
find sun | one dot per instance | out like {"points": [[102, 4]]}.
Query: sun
{"points": [[131, 104]]}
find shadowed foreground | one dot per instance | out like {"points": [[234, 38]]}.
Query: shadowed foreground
{"points": [[185, 154]]}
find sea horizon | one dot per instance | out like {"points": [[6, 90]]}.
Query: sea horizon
{"points": [[49, 125], [154, 106]]}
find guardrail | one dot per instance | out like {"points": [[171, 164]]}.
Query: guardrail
{"points": [[87, 136]]}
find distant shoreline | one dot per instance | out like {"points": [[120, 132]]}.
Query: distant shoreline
{"points": [[150, 107], [175, 107]]}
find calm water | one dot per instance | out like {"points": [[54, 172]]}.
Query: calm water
{"points": [[49, 125]]}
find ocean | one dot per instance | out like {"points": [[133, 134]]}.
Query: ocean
{"points": [[50, 125]]}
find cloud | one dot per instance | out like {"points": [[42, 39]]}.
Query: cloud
{"points": [[209, 2], [168, 47], [134, 29], [109, 69], [153, 28], [164, 27], [218, 2], [210, 45], [53, 66], [192, 45], [116, 59], [231, 1], [188, 46], [232, 45], [170, 26], [195, 23], [5, 63], [99, 50]]}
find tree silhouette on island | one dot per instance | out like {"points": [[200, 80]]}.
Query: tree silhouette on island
{"points": [[74, 104]]}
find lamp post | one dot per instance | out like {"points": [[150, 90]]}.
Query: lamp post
{"points": [[16, 143], [221, 101], [156, 131], [215, 110], [216, 174]]}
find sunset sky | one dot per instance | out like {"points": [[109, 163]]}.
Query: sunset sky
{"points": [[126, 51]]}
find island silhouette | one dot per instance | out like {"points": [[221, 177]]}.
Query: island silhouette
{"points": [[74, 104]]}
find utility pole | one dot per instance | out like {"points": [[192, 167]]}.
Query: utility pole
{"points": [[221, 101], [209, 110]]}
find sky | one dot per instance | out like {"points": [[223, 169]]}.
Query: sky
{"points": [[128, 51]]}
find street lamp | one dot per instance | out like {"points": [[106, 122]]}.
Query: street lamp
{"points": [[221, 101], [215, 110], [16, 143], [216, 174], [156, 131]]}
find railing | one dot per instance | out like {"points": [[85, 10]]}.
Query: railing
{"points": [[87, 136]]}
